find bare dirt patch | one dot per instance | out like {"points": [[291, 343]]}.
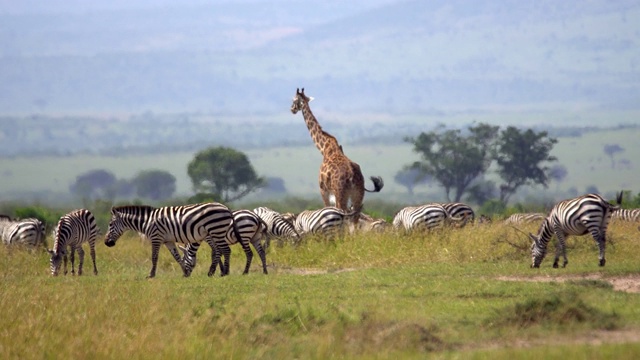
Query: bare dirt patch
{"points": [[307, 271], [630, 284]]}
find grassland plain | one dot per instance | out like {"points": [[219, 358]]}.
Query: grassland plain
{"points": [[584, 158], [465, 293]]}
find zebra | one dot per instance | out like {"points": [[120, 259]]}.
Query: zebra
{"points": [[277, 225], [484, 219], [73, 229], [524, 218], [187, 224], [250, 227], [427, 217], [459, 213], [630, 215], [585, 214], [327, 220], [28, 232]]}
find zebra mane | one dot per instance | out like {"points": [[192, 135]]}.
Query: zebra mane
{"points": [[129, 208]]}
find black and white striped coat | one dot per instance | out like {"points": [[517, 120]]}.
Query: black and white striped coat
{"points": [[585, 214], [186, 224], [523, 218], [631, 215], [73, 230], [327, 221], [28, 232], [421, 217], [277, 226], [251, 229], [459, 214]]}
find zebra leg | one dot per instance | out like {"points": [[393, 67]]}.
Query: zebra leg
{"points": [[560, 249], [64, 260], [247, 251], [72, 255], [600, 238], [262, 255], [225, 251], [215, 258], [80, 261], [171, 246], [155, 251]]}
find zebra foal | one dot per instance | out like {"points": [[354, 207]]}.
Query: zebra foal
{"points": [[73, 230]]}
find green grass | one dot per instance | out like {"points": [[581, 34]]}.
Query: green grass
{"points": [[361, 296]]}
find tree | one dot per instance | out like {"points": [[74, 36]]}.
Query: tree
{"points": [[452, 159], [95, 184], [557, 173], [519, 155], [223, 172], [155, 184], [611, 150], [410, 177]]}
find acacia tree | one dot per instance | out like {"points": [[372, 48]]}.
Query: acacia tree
{"points": [[452, 159], [224, 173], [155, 184], [520, 156], [95, 184], [410, 177]]}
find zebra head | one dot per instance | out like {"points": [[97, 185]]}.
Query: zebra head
{"points": [[537, 252], [55, 261], [115, 230], [189, 258], [299, 101]]}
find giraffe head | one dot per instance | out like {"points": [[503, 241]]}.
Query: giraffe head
{"points": [[299, 101]]}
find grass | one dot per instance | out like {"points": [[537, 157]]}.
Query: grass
{"points": [[361, 296]]}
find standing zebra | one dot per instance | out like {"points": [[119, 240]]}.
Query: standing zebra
{"points": [[188, 224], [250, 228], [626, 215], [328, 220], [423, 217], [29, 232], [524, 218], [277, 225], [459, 213], [74, 229], [585, 214]]}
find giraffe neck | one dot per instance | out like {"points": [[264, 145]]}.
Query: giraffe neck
{"points": [[325, 142]]}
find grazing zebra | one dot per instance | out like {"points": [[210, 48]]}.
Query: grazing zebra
{"points": [[74, 229], [626, 215], [585, 214], [327, 221], [524, 218], [277, 225], [29, 232], [188, 224], [459, 213], [250, 228], [423, 217], [484, 219]]}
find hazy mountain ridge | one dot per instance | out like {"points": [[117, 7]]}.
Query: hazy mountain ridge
{"points": [[388, 57]]}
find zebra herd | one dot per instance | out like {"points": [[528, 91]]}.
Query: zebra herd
{"points": [[186, 227]]}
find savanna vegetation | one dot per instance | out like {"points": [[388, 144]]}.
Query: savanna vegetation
{"points": [[458, 293]]}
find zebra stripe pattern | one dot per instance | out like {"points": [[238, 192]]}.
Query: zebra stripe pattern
{"points": [[459, 213], [327, 221], [585, 214], [277, 225], [368, 223], [74, 229], [423, 217], [524, 218], [28, 232], [250, 229], [188, 224], [630, 215]]}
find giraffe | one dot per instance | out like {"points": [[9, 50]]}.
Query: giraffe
{"points": [[339, 176]]}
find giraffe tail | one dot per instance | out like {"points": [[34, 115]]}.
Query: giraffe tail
{"points": [[377, 184]]}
